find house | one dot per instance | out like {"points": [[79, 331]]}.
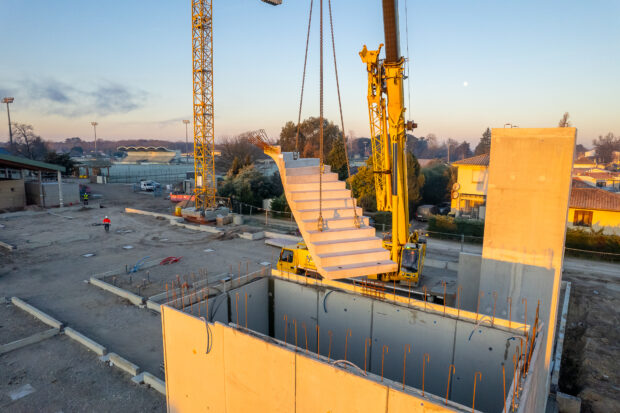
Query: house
{"points": [[470, 190], [601, 179], [594, 208], [585, 163]]}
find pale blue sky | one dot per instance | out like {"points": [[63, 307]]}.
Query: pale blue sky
{"points": [[127, 65]]}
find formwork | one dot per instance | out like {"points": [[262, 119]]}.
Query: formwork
{"points": [[271, 342]]}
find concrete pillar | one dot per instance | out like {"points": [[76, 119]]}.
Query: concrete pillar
{"points": [[41, 191], [60, 189]]}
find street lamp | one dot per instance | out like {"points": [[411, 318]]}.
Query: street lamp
{"points": [[8, 100], [186, 122], [95, 128]]}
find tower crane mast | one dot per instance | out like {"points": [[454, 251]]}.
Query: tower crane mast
{"points": [[202, 80]]}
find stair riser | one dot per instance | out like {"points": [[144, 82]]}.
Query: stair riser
{"points": [[341, 235], [326, 203], [327, 194], [353, 259], [347, 273], [300, 163], [303, 179], [329, 213], [348, 246], [315, 186], [337, 223], [307, 170]]}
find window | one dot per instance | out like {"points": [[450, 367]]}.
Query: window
{"points": [[582, 218], [287, 256], [601, 184], [478, 176]]}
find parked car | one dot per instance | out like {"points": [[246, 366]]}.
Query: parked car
{"points": [[149, 186], [444, 208], [424, 212]]}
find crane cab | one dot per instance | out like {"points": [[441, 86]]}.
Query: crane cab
{"points": [[412, 261], [296, 259]]}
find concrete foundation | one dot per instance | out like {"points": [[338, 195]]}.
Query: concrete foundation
{"points": [[315, 339]]}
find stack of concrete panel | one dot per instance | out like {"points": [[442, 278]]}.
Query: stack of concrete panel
{"points": [[341, 249]]}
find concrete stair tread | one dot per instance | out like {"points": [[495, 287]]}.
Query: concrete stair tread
{"points": [[316, 231], [362, 217], [353, 252], [317, 191]]}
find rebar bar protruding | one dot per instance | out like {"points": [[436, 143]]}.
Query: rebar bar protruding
{"points": [[480, 295], [504, 378], [458, 301], [383, 351], [318, 340], [514, 380], [451, 371], [303, 325], [347, 334], [367, 343], [473, 403], [444, 296], [406, 350], [329, 351], [426, 358], [285, 326], [494, 305]]}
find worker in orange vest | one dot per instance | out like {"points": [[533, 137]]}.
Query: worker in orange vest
{"points": [[106, 224]]}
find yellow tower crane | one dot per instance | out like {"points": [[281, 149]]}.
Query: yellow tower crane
{"points": [[204, 132]]}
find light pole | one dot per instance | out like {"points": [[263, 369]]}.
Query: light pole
{"points": [[186, 122], [8, 100], [95, 128]]}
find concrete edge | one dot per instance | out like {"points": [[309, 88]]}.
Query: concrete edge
{"points": [[133, 298], [7, 246], [35, 338], [155, 382], [557, 359], [47, 319], [269, 234], [123, 364], [85, 341], [152, 305]]}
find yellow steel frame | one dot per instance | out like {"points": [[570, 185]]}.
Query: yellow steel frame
{"points": [[378, 127], [204, 134]]}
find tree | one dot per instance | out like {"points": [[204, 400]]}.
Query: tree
{"points": [[309, 131], [415, 182], [61, 159], [27, 143], [76, 151], [484, 146], [360, 146], [249, 186], [279, 204], [363, 186], [605, 147], [461, 151], [436, 178], [564, 122], [235, 167], [237, 147], [337, 159]]}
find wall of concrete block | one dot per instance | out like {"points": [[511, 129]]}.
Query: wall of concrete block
{"points": [[12, 194]]}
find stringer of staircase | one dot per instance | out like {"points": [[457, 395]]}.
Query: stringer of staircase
{"points": [[341, 249]]}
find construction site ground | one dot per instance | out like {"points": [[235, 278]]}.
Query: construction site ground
{"points": [[50, 268]]}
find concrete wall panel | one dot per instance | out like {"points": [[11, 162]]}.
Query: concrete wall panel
{"points": [[468, 278], [425, 333], [344, 312], [402, 402], [257, 305], [299, 304]]}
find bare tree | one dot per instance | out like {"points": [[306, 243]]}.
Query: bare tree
{"points": [[564, 122], [605, 147]]}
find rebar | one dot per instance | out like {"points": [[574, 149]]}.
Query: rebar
{"points": [[451, 369], [285, 326], [303, 325], [407, 349], [473, 403], [347, 334], [383, 351], [426, 358], [504, 379]]}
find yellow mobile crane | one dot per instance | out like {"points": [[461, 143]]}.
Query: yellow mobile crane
{"points": [[385, 77]]}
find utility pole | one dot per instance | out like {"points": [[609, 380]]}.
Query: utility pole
{"points": [[8, 100], [186, 122], [95, 128]]}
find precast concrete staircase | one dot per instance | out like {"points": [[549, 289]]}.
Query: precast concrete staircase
{"points": [[341, 249]]}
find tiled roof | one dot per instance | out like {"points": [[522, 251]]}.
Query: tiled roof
{"points": [[578, 183], [585, 161], [479, 160], [602, 175], [594, 198]]}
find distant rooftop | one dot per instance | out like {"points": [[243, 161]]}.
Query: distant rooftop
{"points": [[594, 198], [479, 160], [18, 162], [585, 161]]}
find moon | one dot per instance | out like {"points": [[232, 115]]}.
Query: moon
{"points": [[465, 83]]}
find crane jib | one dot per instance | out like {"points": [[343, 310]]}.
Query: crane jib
{"points": [[395, 168]]}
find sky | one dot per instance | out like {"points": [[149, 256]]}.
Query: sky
{"points": [[473, 64]]}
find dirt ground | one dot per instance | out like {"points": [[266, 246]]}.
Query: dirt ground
{"points": [[49, 270], [590, 363]]}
